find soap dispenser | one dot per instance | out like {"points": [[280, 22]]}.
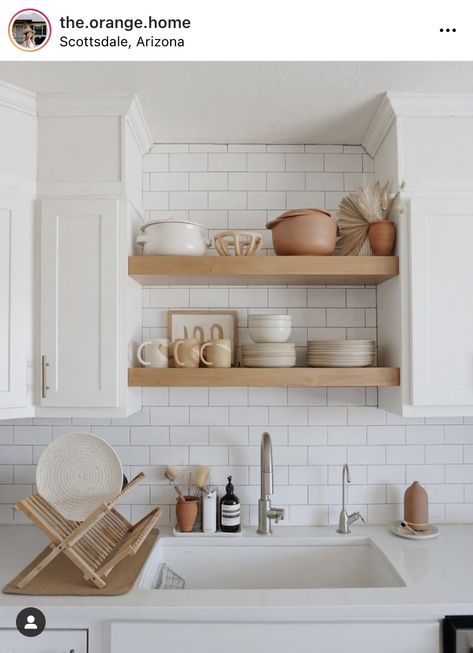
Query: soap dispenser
{"points": [[230, 510]]}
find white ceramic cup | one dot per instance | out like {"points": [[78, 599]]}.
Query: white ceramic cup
{"points": [[218, 353], [156, 353]]}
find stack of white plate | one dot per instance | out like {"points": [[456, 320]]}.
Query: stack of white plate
{"points": [[269, 354], [341, 353]]}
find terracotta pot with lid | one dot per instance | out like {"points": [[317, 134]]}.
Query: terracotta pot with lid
{"points": [[304, 232]]}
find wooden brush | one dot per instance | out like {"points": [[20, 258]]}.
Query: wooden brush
{"points": [[201, 476], [171, 473]]}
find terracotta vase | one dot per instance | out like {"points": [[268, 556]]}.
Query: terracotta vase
{"points": [[186, 513], [382, 237], [416, 507]]}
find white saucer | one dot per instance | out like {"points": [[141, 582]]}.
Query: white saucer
{"points": [[429, 533]]}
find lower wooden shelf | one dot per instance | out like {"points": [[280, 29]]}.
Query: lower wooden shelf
{"points": [[269, 377]]}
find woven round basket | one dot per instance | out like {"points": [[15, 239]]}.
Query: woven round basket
{"points": [[77, 472]]}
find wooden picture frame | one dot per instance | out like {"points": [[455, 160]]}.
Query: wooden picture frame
{"points": [[190, 318]]}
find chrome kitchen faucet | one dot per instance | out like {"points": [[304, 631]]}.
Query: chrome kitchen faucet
{"points": [[265, 512], [345, 520]]}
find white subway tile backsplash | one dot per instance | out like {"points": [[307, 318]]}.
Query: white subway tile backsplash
{"points": [[346, 435], [210, 415], [232, 161], [359, 455], [207, 181], [403, 455], [189, 435], [314, 430], [437, 453], [228, 396], [189, 162], [343, 162], [170, 416], [291, 415], [424, 435], [286, 180], [190, 200], [324, 181], [166, 181], [247, 181], [305, 162], [232, 199], [265, 200], [302, 198], [425, 473], [248, 416]]}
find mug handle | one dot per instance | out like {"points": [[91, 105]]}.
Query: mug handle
{"points": [[205, 362], [176, 357], [219, 329], [139, 350]]}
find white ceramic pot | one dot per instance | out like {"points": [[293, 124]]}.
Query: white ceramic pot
{"points": [[173, 238]]}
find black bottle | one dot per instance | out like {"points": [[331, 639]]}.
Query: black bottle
{"points": [[230, 510]]}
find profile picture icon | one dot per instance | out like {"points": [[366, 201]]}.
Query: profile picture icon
{"points": [[29, 30]]}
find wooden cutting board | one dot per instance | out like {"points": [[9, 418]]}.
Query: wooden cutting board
{"points": [[62, 578]]}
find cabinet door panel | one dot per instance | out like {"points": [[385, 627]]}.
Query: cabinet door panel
{"points": [[441, 261], [336, 637], [50, 641], [79, 303], [15, 265]]}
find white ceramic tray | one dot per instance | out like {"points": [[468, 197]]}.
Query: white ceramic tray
{"points": [[177, 533], [429, 534]]}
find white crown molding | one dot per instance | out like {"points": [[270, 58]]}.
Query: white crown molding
{"points": [[379, 127], [431, 104], [139, 126], [400, 105], [18, 99], [83, 105]]}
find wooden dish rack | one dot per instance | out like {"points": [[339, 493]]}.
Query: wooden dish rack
{"points": [[95, 545]]}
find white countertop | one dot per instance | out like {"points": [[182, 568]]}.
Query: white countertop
{"points": [[438, 575]]}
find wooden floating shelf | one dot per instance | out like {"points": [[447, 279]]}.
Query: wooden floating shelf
{"points": [[262, 270], [267, 377]]}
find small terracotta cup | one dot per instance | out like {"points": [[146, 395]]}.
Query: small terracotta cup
{"points": [[382, 237], [186, 513]]}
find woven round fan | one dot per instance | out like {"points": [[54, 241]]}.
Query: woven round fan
{"points": [[77, 472]]}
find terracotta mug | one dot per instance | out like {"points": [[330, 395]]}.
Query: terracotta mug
{"points": [[156, 353], [218, 353], [186, 513], [187, 352]]}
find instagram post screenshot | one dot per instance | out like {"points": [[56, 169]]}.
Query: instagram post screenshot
{"points": [[236, 327]]}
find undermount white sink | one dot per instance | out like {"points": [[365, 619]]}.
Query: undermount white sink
{"points": [[260, 562]]}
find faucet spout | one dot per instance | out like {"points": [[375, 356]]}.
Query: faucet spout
{"points": [[266, 466], [266, 513]]}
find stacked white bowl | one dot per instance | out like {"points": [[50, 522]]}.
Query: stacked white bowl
{"points": [[270, 333]]}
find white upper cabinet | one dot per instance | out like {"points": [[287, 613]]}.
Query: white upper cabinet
{"points": [[17, 188], [425, 316], [90, 311], [441, 237], [79, 303]]}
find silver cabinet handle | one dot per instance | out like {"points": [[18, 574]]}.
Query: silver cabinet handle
{"points": [[44, 386]]}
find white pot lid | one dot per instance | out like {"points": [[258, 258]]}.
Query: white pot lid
{"points": [[172, 221]]}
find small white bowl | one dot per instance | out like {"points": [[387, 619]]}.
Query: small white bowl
{"points": [[257, 317], [270, 333]]}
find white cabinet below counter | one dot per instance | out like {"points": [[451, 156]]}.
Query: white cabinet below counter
{"points": [[50, 641], [234, 637]]}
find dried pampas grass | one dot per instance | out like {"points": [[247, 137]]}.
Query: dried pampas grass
{"points": [[358, 210]]}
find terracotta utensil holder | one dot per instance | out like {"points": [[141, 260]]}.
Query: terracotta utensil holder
{"points": [[382, 237], [416, 507], [186, 513]]}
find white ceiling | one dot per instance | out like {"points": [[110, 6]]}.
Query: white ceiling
{"points": [[265, 102]]}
